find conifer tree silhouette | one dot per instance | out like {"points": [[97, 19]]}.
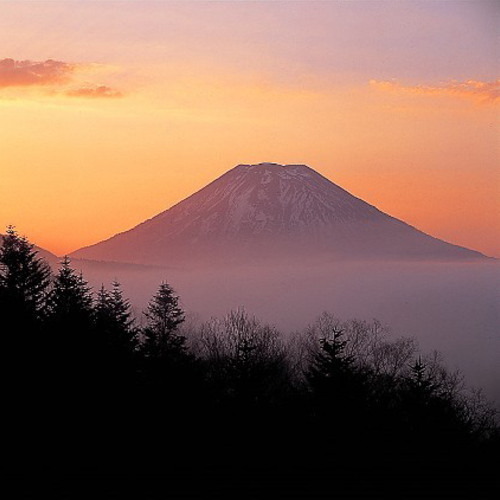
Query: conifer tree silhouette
{"points": [[24, 284], [24, 280], [69, 324], [114, 322], [339, 392], [70, 300], [163, 315]]}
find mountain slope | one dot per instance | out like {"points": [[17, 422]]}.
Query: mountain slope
{"points": [[261, 211]]}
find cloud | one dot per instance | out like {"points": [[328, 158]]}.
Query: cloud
{"points": [[485, 91], [58, 76], [94, 92], [23, 73]]}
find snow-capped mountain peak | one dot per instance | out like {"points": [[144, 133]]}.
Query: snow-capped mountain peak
{"points": [[267, 209]]}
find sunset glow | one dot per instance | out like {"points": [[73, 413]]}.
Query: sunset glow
{"points": [[111, 112]]}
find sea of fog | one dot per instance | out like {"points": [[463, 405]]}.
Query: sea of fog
{"points": [[450, 307]]}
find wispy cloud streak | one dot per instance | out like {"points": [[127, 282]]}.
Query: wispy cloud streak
{"points": [[485, 91], [94, 92]]}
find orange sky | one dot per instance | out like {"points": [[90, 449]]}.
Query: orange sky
{"points": [[146, 103]]}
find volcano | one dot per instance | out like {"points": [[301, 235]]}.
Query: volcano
{"points": [[271, 211]]}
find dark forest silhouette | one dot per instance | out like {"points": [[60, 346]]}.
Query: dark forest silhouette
{"points": [[92, 396]]}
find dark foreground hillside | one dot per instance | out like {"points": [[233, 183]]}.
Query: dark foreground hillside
{"points": [[99, 406]]}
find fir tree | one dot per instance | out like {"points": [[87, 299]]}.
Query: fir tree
{"points": [[114, 322], [163, 316], [423, 408], [70, 299], [69, 319], [167, 371], [331, 365], [419, 383], [338, 387], [24, 284], [24, 280], [102, 307]]}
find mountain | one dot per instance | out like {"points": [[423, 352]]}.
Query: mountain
{"points": [[51, 259], [271, 211]]}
